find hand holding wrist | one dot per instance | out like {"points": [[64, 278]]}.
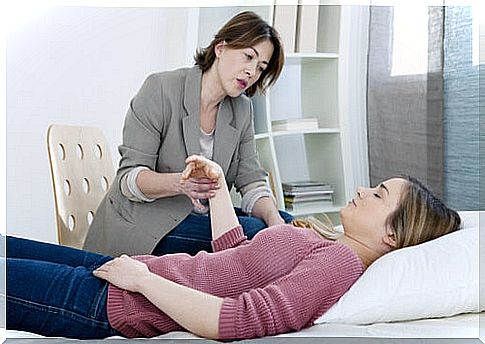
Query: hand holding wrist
{"points": [[200, 179]]}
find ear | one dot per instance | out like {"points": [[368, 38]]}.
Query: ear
{"points": [[219, 48], [390, 238]]}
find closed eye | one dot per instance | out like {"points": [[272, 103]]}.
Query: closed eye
{"points": [[377, 195]]}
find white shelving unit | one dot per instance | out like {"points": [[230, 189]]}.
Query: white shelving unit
{"points": [[309, 87]]}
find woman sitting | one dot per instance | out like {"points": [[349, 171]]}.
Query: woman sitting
{"points": [[280, 281]]}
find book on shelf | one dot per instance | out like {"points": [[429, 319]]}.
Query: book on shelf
{"points": [[308, 198], [307, 28], [295, 124], [309, 207], [306, 186], [306, 194], [284, 21]]}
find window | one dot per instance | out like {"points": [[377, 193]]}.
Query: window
{"points": [[410, 40]]}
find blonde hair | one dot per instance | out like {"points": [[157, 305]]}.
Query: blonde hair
{"points": [[322, 226], [419, 217]]}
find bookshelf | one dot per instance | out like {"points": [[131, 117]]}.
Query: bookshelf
{"points": [[310, 87]]}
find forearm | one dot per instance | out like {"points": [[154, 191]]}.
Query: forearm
{"points": [[265, 209], [159, 185], [195, 311], [223, 217]]}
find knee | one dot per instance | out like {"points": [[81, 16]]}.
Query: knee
{"points": [[251, 225], [287, 217]]}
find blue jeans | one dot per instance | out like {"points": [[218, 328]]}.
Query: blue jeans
{"points": [[51, 291], [194, 233]]}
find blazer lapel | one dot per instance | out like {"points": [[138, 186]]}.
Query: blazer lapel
{"points": [[191, 122], [226, 136]]}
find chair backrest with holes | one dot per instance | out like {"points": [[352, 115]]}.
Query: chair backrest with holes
{"points": [[82, 171]]}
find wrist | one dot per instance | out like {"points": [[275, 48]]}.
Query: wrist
{"points": [[274, 219], [178, 187], [144, 281], [265, 209]]}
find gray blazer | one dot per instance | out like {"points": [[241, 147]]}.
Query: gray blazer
{"points": [[161, 130]]}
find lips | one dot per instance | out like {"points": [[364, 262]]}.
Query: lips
{"points": [[242, 83], [353, 201]]}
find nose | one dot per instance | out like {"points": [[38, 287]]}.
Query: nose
{"points": [[360, 192], [251, 69]]}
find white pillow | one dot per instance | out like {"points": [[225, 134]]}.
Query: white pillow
{"points": [[434, 279]]}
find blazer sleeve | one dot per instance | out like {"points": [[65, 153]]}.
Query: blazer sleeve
{"points": [[249, 167], [294, 301], [142, 128]]}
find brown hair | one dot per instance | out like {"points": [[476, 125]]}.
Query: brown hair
{"points": [[244, 30], [421, 216]]}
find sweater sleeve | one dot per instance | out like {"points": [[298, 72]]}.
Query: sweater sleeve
{"points": [[231, 238], [295, 300]]}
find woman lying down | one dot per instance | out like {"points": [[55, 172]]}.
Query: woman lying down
{"points": [[280, 281]]}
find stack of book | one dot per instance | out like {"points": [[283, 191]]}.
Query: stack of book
{"points": [[295, 124], [307, 196]]}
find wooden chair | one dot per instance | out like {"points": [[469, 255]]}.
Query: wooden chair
{"points": [[82, 171]]}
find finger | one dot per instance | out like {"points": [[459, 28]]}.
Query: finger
{"points": [[203, 187], [100, 274], [105, 265], [194, 187], [211, 172], [199, 161], [197, 204], [203, 180], [202, 207], [202, 195], [192, 158], [188, 170]]}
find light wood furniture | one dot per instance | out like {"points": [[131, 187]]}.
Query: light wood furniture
{"points": [[82, 171]]}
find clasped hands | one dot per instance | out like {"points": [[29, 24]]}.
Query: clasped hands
{"points": [[200, 179]]}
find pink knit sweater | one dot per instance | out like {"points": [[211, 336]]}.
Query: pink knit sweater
{"points": [[280, 281]]}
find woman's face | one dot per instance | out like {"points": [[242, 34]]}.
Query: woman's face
{"points": [[239, 69], [364, 217]]}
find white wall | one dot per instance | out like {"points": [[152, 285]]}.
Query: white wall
{"points": [[78, 65]]}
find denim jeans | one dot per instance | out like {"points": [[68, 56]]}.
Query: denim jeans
{"points": [[51, 291], [194, 233]]}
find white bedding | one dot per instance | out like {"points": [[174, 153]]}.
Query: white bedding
{"points": [[459, 326]]}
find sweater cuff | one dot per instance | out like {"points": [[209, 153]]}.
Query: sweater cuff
{"points": [[227, 321], [249, 199], [130, 189], [231, 238]]}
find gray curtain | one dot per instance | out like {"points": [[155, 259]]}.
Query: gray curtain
{"points": [[427, 125], [461, 111], [405, 124]]}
